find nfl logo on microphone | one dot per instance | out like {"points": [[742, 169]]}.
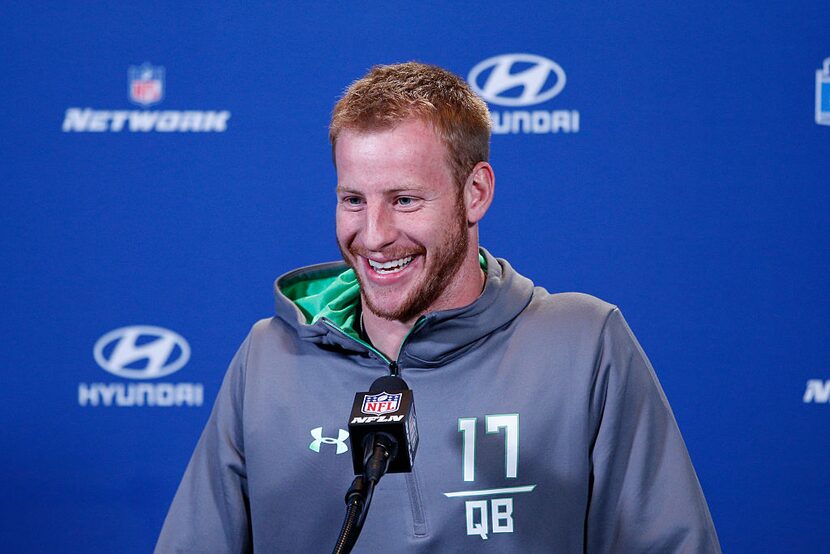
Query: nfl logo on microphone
{"points": [[383, 403], [146, 83]]}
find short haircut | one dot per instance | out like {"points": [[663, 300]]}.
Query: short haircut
{"points": [[390, 94]]}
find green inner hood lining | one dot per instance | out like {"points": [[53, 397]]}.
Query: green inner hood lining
{"points": [[334, 297]]}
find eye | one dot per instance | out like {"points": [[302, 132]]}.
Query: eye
{"points": [[405, 201], [352, 201]]}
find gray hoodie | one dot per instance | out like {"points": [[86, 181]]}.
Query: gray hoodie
{"points": [[542, 428]]}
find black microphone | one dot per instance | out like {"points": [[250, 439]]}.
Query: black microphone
{"points": [[384, 438], [384, 418]]}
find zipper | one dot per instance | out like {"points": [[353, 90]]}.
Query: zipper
{"points": [[371, 348], [419, 520], [394, 368], [393, 365], [419, 523]]}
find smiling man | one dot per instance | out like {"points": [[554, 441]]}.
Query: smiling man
{"points": [[406, 228], [542, 424]]}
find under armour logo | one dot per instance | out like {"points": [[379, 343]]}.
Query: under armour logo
{"points": [[340, 441]]}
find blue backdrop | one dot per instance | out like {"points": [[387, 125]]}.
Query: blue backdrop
{"points": [[162, 164]]}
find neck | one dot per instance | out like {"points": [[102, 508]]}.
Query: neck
{"points": [[388, 335]]}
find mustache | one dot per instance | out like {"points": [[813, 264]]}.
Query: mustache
{"points": [[388, 254]]}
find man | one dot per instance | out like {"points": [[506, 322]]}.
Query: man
{"points": [[542, 425]]}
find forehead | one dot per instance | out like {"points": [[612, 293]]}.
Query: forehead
{"points": [[412, 145]]}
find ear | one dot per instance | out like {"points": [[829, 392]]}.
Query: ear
{"points": [[478, 191]]}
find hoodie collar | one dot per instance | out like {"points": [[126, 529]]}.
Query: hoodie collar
{"points": [[321, 303]]}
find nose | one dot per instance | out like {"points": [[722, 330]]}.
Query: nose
{"points": [[380, 230]]}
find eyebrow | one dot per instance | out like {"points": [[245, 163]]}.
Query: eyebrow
{"points": [[413, 188]]}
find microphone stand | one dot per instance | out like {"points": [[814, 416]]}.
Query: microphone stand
{"points": [[379, 449]]}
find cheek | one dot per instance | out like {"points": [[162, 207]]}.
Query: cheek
{"points": [[345, 226]]}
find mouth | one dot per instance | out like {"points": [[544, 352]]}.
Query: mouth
{"points": [[392, 266]]}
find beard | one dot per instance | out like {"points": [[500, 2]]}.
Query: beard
{"points": [[438, 272]]}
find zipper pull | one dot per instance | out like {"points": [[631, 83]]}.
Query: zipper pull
{"points": [[393, 369]]}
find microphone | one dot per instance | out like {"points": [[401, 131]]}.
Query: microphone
{"points": [[384, 418], [384, 438]]}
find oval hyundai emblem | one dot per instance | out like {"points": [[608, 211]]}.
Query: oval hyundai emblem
{"points": [[141, 352], [517, 79]]}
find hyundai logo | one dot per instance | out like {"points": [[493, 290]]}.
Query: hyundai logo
{"points": [[517, 79], [141, 352]]}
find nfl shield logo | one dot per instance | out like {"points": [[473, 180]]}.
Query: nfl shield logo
{"points": [[383, 403], [146, 84]]}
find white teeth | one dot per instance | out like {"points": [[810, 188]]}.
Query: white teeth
{"points": [[390, 267]]}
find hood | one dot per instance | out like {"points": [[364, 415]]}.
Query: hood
{"points": [[321, 304]]}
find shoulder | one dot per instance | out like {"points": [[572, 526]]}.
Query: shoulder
{"points": [[540, 307], [574, 309], [568, 323], [270, 331], [267, 338], [265, 327]]}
